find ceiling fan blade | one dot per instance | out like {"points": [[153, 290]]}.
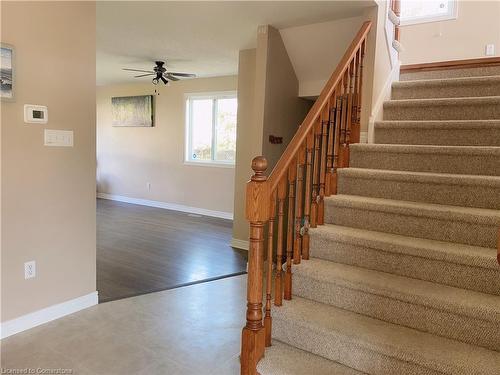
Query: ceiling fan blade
{"points": [[138, 70], [145, 75], [164, 80], [171, 77], [182, 74]]}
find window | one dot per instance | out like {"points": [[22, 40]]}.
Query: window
{"points": [[211, 128], [413, 12]]}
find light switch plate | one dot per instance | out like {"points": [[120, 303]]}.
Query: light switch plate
{"points": [[29, 269], [490, 49], [58, 138]]}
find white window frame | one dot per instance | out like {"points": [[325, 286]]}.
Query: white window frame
{"points": [[188, 160], [451, 15]]}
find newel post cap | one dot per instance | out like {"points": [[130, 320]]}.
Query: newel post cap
{"points": [[259, 166]]}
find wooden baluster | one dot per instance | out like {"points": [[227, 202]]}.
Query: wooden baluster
{"points": [[278, 285], [356, 130], [343, 122], [292, 175], [315, 176], [307, 200], [360, 96], [325, 118], [498, 247], [337, 136], [396, 8], [297, 250], [257, 213], [269, 276], [349, 113], [329, 150]]}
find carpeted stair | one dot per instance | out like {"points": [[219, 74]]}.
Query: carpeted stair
{"points": [[403, 277]]}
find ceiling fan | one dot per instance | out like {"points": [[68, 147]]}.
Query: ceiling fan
{"points": [[160, 73]]}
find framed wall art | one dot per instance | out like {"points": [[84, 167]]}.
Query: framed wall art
{"points": [[133, 111], [6, 72]]}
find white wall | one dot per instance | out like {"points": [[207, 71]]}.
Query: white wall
{"points": [[478, 24], [130, 157]]}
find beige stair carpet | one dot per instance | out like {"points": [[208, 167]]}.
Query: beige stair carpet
{"points": [[403, 277], [439, 132]]}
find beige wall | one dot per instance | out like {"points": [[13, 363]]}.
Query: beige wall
{"points": [[130, 157], [277, 110], [48, 193], [478, 24], [249, 140], [283, 109], [316, 49]]}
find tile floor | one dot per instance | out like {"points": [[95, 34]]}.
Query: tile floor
{"points": [[190, 330]]}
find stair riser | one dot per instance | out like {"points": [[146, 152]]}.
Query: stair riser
{"points": [[438, 137], [417, 191], [344, 350], [483, 280], [426, 162], [484, 111], [446, 91], [392, 310], [451, 73], [476, 234]]}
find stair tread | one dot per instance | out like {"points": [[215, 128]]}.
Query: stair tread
{"points": [[466, 214], [436, 102], [283, 359], [423, 177], [424, 149], [456, 81], [406, 344], [474, 256], [438, 124], [436, 296]]}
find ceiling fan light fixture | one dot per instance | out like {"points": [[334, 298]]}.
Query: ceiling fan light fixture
{"points": [[161, 73]]}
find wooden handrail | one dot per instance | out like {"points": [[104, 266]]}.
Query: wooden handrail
{"points": [[300, 136], [293, 195]]}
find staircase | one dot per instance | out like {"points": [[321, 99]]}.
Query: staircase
{"points": [[403, 277]]}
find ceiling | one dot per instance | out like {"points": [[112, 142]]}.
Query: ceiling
{"points": [[196, 37]]}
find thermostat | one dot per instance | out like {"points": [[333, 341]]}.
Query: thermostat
{"points": [[35, 114]]}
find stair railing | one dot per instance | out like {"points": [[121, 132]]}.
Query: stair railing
{"points": [[294, 192], [395, 17]]}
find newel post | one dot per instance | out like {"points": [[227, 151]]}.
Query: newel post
{"points": [[257, 213]]}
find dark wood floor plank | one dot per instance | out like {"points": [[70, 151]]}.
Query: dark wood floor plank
{"points": [[142, 249]]}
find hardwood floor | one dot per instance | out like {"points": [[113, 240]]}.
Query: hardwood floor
{"points": [[144, 249]]}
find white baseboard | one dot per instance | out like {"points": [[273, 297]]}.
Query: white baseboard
{"points": [[166, 205], [239, 244], [31, 320], [384, 95]]}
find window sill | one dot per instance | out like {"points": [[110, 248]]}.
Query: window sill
{"points": [[419, 21], [208, 164]]}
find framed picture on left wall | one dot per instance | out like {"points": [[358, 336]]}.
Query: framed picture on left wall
{"points": [[6, 72]]}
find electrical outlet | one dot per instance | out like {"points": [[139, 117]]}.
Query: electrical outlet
{"points": [[148, 185], [490, 49], [29, 269]]}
